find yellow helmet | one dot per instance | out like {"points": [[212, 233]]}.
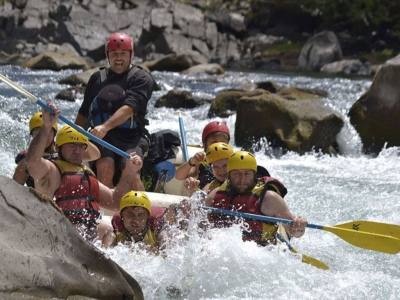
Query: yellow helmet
{"points": [[218, 151], [67, 134], [36, 121], [135, 198], [242, 160]]}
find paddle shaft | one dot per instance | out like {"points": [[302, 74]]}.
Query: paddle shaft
{"points": [[44, 105], [183, 138]]}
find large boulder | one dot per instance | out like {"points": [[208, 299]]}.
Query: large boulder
{"points": [[299, 126], [210, 69], [376, 114], [176, 62], [226, 101], [319, 50], [81, 78], [42, 255], [56, 61], [180, 99]]}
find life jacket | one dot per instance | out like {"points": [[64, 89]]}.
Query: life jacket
{"points": [[78, 193], [20, 156], [150, 236], [213, 185], [226, 198], [110, 98]]}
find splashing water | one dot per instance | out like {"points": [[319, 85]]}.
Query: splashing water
{"points": [[218, 265]]}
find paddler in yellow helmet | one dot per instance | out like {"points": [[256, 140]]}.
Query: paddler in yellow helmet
{"points": [[217, 155], [73, 185], [21, 174], [138, 222], [244, 192]]}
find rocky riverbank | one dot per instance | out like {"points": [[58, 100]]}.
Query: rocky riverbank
{"points": [[234, 34]]}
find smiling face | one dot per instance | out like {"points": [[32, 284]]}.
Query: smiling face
{"points": [[119, 60], [135, 219]]}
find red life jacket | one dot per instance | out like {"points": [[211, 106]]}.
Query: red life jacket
{"points": [[78, 193], [250, 202]]}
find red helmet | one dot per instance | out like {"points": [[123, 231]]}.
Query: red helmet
{"points": [[215, 126], [119, 41]]}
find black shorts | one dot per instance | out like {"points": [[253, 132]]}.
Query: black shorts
{"points": [[138, 144]]}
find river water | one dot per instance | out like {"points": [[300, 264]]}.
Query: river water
{"points": [[324, 189]]}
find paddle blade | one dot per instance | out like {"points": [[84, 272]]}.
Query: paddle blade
{"points": [[373, 227], [367, 240], [283, 237], [314, 262]]}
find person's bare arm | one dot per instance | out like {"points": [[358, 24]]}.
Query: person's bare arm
{"points": [[191, 167], [81, 120], [109, 198], [137, 183], [118, 118], [21, 173], [44, 172], [275, 206]]}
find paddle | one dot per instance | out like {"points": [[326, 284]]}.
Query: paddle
{"points": [[304, 258], [373, 227], [366, 240], [183, 138], [43, 104]]}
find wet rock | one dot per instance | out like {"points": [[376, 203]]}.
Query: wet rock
{"points": [[211, 69], [319, 50], [79, 78], [299, 126], [375, 115], [56, 61], [176, 62], [393, 61], [268, 86], [226, 102], [70, 94], [180, 99], [43, 257], [348, 67]]}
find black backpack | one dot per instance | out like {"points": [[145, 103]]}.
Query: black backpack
{"points": [[161, 145]]}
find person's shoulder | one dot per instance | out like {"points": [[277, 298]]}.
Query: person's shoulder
{"points": [[96, 75], [139, 73]]}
